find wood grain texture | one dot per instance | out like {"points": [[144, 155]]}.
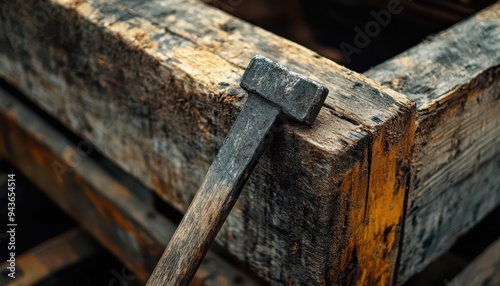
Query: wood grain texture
{"points": [[218, 193], [455, 79], [44, 260], [154, 86], [273, 92], [122, 220], [484, 270]]}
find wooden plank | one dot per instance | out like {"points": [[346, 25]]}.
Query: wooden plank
{"points": [[484, 270], [284, 93], [454, 78], [125, 223], [46, 259], [154, 86]]}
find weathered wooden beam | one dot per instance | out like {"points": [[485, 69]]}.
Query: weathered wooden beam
{"points": [[455, 79], [484, 270], [154, 86], [44, 260], [125, 223]]}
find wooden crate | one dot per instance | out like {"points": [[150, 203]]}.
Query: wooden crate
{"points": [[401, 161]]}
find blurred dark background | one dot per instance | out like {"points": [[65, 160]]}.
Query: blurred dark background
{"points": [[322, 25], [39, 220]]}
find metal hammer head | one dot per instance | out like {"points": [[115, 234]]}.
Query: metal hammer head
{"points": [[298, 96]]}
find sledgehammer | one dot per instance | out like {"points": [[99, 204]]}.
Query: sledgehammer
{"points": [[272, 90]]}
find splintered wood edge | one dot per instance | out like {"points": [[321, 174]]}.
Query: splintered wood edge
{"points": [[196, 45], [432, 72], [139, 234], [454, 79], [358, 111]]}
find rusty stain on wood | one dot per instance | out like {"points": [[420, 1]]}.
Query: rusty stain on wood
{"points": [[455, 80], [177, 117]]}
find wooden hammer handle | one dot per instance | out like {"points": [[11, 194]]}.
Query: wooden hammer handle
{"points": [[217, 195]]}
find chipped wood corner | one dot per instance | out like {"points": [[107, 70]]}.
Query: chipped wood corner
{"points": [[454, 78], [325, 203]]}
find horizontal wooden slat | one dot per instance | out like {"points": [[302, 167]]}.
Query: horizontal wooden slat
{"points": [[484, 270], [125, 223], [48, 258], [454, 78], [154, 86]]}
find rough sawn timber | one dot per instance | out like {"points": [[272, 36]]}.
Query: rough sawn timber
{"points": [[454, 77], [154, 86]]}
